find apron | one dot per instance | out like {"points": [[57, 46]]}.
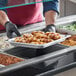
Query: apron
{"points": [[23, 15]]}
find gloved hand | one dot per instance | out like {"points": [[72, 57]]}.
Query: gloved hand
{"points": [[49, 28], [10, 29]]}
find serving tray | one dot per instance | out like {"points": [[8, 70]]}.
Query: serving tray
{"points": [[37, 46]]}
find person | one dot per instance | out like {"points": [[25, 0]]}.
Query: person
{"points": [[29, 14]]}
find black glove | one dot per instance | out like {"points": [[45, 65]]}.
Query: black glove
{"points": [[10, 29], [49, 28]]}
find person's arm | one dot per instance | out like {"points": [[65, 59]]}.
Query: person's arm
{"points": [[50, 17], [3, 17], [50, 12], [10, 27], [4, 20]]}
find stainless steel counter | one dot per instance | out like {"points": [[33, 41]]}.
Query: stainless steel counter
{"points": [[52, 52]]}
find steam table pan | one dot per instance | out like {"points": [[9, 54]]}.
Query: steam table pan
{"points": [[37, 46]]}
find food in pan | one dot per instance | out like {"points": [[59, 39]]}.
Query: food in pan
{"points": [[53, 35], [71, 41], [7, 60], [38, 37], [4, 44], [69, 27], [37, 32]]}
